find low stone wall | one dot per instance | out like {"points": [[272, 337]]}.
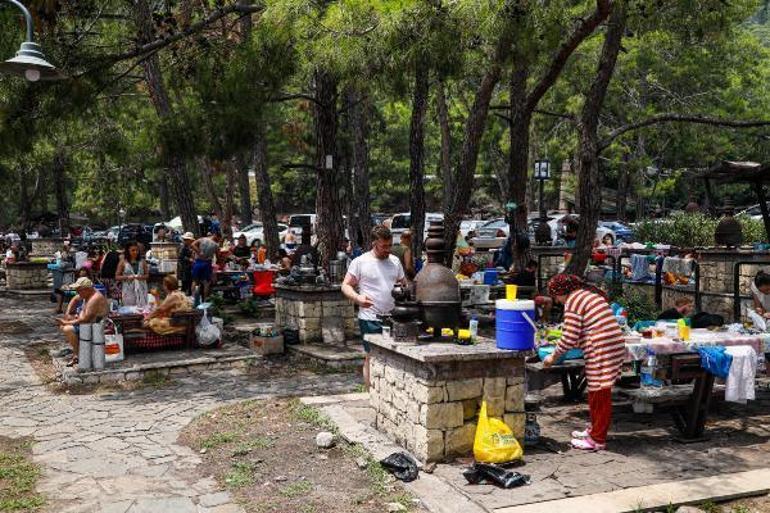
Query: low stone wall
{"points": [[321, 314], [45, 246], [431, 408], [717, 267], [26, 276]]}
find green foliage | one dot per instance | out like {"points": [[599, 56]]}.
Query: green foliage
{"points": [[640, 306], [679, 229]]}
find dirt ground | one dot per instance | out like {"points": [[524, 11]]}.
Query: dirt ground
{"points": [[265, 453], [18, 476]]}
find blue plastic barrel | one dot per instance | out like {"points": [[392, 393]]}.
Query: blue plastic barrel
{"points": [[515, 324], [490, 277]]}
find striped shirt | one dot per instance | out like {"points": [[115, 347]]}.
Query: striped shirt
{"points": [[590, 326]]}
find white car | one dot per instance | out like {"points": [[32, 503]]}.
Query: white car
{"points": [[491, 235], [471, 225], [256, 231], [753, 212], [400, 223], [558, 227]]}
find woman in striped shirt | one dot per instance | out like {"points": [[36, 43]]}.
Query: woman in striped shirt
{"points": [[590, 326]]}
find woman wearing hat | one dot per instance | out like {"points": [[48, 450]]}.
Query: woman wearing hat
{"points": [[185, 263], [590, 325]]}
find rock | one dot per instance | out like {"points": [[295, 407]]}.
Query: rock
{"points": [[281, 479], [204, 450], [394, 507], [361, 462], [429, 468], [689, 509], [324, 440]]}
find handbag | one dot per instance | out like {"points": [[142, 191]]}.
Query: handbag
{"points": [[113, 344]]}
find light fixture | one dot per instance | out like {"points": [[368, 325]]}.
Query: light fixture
{"points": [[543, 169], [29, 61]]}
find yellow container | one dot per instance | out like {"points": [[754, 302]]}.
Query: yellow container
{"points": [[684, 329], [463, 334], [510, 292]]}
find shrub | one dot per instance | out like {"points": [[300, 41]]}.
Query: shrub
{"points": [[753, 230], [679, 229]]}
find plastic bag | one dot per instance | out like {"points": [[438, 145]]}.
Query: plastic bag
{"points": [[402, 466], [113, 344], [207, 334], [494, 442], [483, 472]]}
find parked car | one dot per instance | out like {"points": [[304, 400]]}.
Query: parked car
{"points": [[468, 227], [135, 232], [256, 231], [399, 223], [298, 222], [110, 234], [491, 235], [623, 232], [754, 212]]}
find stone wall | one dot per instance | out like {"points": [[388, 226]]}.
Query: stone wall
{"points": [[45, 247], [435, 417], [26, 276], [328, 317]]}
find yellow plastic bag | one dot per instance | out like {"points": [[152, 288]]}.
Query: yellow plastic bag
{"points": [[494, 442]]}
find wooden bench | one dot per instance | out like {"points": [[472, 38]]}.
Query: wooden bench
{"points": [[571, 373], [689, 402], [132, 327]]}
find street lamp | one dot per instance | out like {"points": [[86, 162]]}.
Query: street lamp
{"points": [[542, 173], [29, 61]]}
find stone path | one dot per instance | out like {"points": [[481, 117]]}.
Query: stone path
{"points": [[117, 453]]}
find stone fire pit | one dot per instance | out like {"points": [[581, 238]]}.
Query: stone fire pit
{"points": [[320, 313], [26, 276], [427, 396]]}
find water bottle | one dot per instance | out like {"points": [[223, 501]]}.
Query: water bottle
{"points": [[473, 327], [196, 296], [649, 369]]}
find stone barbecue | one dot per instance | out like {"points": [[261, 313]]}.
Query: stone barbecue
{"points": [[320, 313], [26, 276], [427, 396]]}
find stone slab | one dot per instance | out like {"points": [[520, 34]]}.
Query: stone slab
{"points": [[439, 352], [330, 354], [659, 496]]}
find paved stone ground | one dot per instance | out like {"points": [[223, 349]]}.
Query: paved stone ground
{"points": [[117, 452], [642, 451]]}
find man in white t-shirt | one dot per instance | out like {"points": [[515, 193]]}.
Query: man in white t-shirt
{"points": [[374, 274]]}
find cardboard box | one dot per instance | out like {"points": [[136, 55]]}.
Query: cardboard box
{"points": [[267, 345]]}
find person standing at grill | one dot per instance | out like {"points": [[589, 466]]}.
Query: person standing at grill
{"points": [[374, 274], [590, 325]]}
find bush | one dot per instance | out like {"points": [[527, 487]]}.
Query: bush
{"points": [[753, 230], [680, 229], [640, 306]]}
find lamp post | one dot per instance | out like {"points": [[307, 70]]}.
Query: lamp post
{"points": [[542, 173], [122, 215], [29, 61]]}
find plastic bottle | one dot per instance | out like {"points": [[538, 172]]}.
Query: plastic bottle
{"points": [[473, 327], [196, 296], [649, 370]]}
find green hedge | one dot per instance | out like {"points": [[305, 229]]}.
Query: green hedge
{"points": [[690, 230]]}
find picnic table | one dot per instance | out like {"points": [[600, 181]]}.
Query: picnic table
{"points": [[690, 418]]}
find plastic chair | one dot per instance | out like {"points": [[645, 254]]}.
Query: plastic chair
{"points": [[263, 283]]}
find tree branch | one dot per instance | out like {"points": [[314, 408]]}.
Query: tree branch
{"points": [[295, 96], [192, 29], [679, 118], [559, 60]]}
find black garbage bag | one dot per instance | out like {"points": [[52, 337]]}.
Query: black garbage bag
{"points": [[401, 465], [484, 472]]}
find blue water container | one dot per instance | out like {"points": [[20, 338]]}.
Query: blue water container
{"points": [[515, 324], [490, 277], [101, 289]]}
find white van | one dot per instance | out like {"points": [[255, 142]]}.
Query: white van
{"points": [[402, 222], [298, 222]]}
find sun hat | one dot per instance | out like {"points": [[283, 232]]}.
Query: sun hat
{"points": [[81, 283], [188, 236]]}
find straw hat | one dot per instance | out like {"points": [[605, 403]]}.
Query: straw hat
{"points": [[188, 236], [81, 283]]}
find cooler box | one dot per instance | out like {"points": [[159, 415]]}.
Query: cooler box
{"points": [[515, 324]]}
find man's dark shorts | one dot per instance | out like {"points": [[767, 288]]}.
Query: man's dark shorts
{"points": [[367, 328], [202, 270]]}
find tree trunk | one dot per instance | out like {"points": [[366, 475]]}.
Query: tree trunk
{"points": [[265, 195], [416, 154], [25, 207], [59, 169], [229, 206], [179, 182], [328, 208], [469, 153], [165, 201], [518, 162], [446, 142], [588, 149], [208, 169], [244, 191], [361, 221]]}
